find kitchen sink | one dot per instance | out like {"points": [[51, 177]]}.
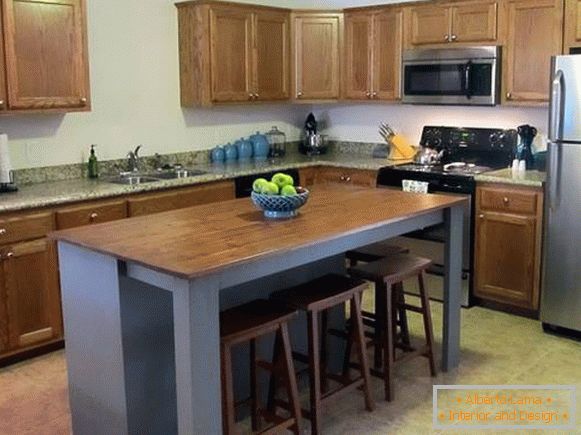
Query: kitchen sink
{"points": [[132, 179], [177, 173]]}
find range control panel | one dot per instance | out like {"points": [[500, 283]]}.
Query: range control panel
{"points": [[477, 139]]}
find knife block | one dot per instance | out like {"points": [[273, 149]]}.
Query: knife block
{"points": [[400, 149]]}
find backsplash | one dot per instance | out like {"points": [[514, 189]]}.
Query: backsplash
{"points": [[187, 159]]}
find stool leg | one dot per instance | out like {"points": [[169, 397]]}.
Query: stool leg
{"points": [[380, 291], [402, 315], [388, 345], [255, 417], [427, 323], [324, 359], [272, 384], [362, 350], [314, 372], [291, 380], [228, 419]]}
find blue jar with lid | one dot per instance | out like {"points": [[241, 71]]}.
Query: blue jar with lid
{"points": [[230, 152], [245, 150], [217, 155], [260, 146]]}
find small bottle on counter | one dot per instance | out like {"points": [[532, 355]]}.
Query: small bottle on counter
{"points": [[93, 164]]}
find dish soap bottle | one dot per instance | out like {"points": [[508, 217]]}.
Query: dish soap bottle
{"points": [[93, 165]]}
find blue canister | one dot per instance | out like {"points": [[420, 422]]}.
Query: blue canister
{"points": [[260, 146], [244, 149], [230, 152], [218, 155]]}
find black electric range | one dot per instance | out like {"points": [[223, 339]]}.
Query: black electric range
{"points": [[466, 153]]}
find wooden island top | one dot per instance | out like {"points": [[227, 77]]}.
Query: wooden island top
{"points": [[201, 240]]}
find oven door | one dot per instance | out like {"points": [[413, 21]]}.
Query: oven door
{"points": [[453, 82]]}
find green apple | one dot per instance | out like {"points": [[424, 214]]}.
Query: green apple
{"points": [[270, 188], [258, 184], [289, 180], [288, 190], [280, 180]]}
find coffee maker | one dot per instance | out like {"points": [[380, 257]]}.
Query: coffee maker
{"points": [[527, 134], [312, 143]]}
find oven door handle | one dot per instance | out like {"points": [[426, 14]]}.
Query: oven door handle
{"points": [[454, 187]]}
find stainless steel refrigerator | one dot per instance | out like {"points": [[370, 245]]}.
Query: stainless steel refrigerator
{"points": [[561, 289]]}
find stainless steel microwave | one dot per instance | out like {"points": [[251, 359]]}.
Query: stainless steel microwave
{"points": [[457, 76]]}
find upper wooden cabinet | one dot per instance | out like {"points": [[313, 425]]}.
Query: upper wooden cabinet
{"points": [[372, 65], [460, 23], [534, 33], [233, 53], [45, 58], [316, 55], [572, 24]]}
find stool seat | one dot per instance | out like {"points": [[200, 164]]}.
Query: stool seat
{"points": [[258, 315], [392, 270], [374, 252], [320, 291]]}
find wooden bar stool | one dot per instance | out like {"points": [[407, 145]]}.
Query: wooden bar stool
{"points": [[390, 274], [367, 254], [247, 323], [315, 298], [373, 252]]}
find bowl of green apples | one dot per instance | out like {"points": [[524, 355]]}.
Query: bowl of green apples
{"points": [[278, 198]]}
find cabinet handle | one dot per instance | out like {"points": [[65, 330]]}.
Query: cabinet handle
{"points": [[2, 231], [481, 216], [368, 94], [447, 38], [374, 95], [83, 100], [348, 179], [299, 94], [454, 37], [509, 96], [256, 96], [505, 200], [1, 104], [250, 96], [93, 216], [9, 254]]}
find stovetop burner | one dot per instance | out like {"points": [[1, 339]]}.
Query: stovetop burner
{"points": [[454, 168]]}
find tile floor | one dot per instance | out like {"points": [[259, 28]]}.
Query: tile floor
{"points": [[497, 348]]}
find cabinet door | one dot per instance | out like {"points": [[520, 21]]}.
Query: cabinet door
{"points": [[572, 23], [534, 34], [317, 56], [474, 22], [231, 54], [358, 56], [429, 25], [33, 299], [272, 69], [46, 56], [387, 49], [3, 89], [505, 259]]}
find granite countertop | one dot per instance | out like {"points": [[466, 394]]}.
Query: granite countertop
{"points": [[506, 176], [62, 192]]}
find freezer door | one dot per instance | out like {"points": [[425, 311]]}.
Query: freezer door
{"points": [[561, 291], [565, 113]]}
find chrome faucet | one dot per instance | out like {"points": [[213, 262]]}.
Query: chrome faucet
{"points": [[133, 160]]}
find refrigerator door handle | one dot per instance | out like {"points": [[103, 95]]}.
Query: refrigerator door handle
{"points": [[556, 125], [554, 175]]}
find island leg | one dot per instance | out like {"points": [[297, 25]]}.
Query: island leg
{"points": [[196, 309], [454, 222]]}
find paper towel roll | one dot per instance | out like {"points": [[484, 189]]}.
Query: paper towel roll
{"points": [[5, 165]]}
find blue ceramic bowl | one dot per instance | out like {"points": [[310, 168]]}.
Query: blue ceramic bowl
{"points": [[278, 206]]}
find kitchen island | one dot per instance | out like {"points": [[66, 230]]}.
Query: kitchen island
{"points": [[142, 296]]}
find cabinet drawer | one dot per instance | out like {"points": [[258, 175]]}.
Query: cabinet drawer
{"points": [[91, 214], [347, 176], [509, 200], [25, 227], [159, 202]]}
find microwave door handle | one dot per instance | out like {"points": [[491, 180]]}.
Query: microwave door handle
{"points": [[467, 73]]}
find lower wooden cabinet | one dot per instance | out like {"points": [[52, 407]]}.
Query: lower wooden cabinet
{"points": [[357, 177], [508, 245], [572, 24], [30, 283]]}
